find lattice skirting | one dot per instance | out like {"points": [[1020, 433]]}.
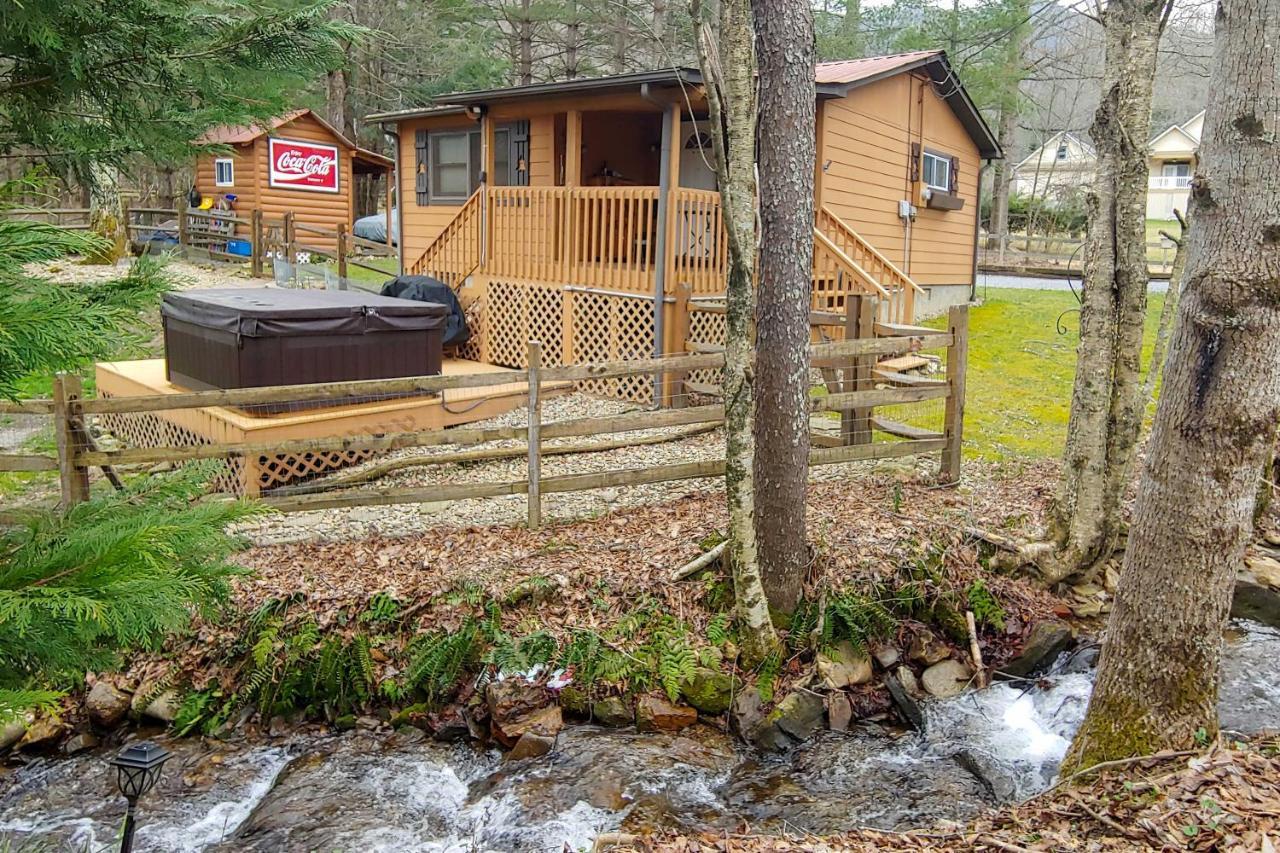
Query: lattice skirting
{"points": [[241, 477]]}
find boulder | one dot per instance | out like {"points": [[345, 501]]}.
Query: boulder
{"points": [[927, 649], [531, 745], [904, 698], [163, 708], [946, 679], [799, 714], [1266, 570], [12, 732], [1045, 641], [80, 742], [344, 722], [574, 700], [708, 690], [1256, 600], [746, 712], [839, 712], [545, 721], [448, 724], [886, 655], [843, 666], [613, 711], [106, 705], [656, 714], [43, 733]]}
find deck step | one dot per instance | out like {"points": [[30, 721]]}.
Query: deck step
{"points": [[910, 380], [903, 430]]}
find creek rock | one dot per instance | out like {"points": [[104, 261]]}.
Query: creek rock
{"points": [[516, 706], [1255, 599], [657, 714], [927, 649], [531, 745], [746, 712], [448, 724], [839, 712], [574, 700], [106, 705], [80, 742], [886, 655], [708, 690], [903, 689], [44, 733], [946, 679], [844, 666], [12, 732], [1045, 641], [1265, 569], [613, 711], [163, 707], [799, 714]]}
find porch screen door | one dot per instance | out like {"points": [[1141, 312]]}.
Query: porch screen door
{"points": [[696, 235]]}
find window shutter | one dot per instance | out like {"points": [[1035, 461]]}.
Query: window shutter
{"points": [[955, 170], [915, 162], [520, 153], [421, 161]]}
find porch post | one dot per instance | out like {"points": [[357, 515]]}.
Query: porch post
{"points": [[573, 148], [660, 249], [487, 159]]}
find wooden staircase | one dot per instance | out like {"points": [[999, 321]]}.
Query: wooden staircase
{"points": [[841, 250], [455, 253]]}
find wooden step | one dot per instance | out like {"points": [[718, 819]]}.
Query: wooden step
{"points": [[906, 379], [903, 362]]}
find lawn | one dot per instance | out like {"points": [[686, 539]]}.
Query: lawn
{"points": [[1021, 371]]}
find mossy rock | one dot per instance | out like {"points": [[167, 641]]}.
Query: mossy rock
{"points": [[575, 700], [345, 722], [708, 690], [613, 711], [414, 715]]}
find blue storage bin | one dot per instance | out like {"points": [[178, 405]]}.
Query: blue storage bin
{"points": [[239, 247]]}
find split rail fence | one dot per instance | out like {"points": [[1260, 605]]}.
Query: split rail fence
{"points": [[856, 378]]}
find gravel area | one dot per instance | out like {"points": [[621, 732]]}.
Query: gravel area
{"points": [[186, 275], [412, 518]]}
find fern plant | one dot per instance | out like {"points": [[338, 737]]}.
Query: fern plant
{"points": [[122, 571], [438, 659]]}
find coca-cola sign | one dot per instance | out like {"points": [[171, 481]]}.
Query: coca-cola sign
{"points": [[305, 166]]}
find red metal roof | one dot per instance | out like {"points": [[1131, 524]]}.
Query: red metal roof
{"points": [[855, 70], [233, 135]]}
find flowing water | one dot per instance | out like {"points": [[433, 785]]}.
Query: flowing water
{"points": [[365, 792]]}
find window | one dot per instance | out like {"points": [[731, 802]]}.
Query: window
{"points": [[224, 172], [451, 170], [1062, 151], [1176, 170], [501, 176], [936, 172]]}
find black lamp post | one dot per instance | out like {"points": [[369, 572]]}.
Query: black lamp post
{"points": [[138, 768]]}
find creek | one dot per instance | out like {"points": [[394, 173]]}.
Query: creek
{"points": [[365, 791]]}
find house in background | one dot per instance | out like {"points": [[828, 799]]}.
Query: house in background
{"points": [[1172, 154], [1058, 168], [585, 213], [298, 163], [1066, 162]]}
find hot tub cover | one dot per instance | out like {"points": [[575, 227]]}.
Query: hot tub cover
{"points": [[284, 312]]}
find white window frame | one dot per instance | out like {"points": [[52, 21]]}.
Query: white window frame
{"points": [[925, 157], [231, 171], [1061, 153]]}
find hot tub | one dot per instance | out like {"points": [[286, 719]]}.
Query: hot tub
{"points": [[248, 338]]}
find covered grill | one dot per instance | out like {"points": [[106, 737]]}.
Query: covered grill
{"points": [[247, 338]]}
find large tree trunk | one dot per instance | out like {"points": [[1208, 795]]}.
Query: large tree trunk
{"points": [[107, 215], [1157, 680], [1106, 404], [727, 56], [524, 29], [1167, 311], [1002, 180], [851, 30], [784, 38]]}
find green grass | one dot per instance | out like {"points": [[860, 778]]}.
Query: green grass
{"points": [[1021, 370]]}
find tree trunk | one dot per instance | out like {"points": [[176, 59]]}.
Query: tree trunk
{"points": [[784, 37], [107, 215], [525, 38], [1002, 180], [1106, 403], [1167, 311], [851, 29], [1158, 677], [572, 37], [727, 56]]}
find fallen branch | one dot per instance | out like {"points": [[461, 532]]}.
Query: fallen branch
{"points": [[375, 472], [974, 649], [700, 562]]}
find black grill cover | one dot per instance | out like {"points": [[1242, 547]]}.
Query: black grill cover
{"points": [[424, 288]]}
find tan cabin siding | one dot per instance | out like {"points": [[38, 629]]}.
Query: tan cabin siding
{"points": [[542, 140], [422, 223], [867, 137]]}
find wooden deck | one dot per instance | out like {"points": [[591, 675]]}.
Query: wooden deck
{"points": [[254, 476]]}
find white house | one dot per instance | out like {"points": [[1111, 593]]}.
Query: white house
{"points": [[1066, 162]]}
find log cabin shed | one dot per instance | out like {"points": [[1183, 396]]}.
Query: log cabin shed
{"points": [[297, 162], [585, 214]]}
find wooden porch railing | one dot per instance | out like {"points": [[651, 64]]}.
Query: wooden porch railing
{"points": [[699, 246], [902, 290], [455, 253]]}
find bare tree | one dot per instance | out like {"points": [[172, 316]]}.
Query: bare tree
{"points": [[1157, 683], [1106, 402], [726, 53], [784, 38]]}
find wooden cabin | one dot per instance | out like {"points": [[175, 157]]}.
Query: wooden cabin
{"points": [[298, 163], [585, 213]]}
